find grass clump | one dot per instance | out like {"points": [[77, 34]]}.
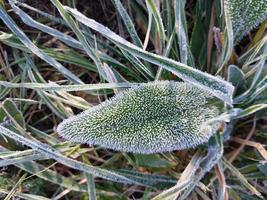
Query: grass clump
{"points": [[88, 87]]}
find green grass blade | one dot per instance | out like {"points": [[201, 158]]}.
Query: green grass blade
{"points": [[159, 23], [70, 41], [41, 13], [51, 176], [29, 44], [23, 195], [157, 181], [218, 87], [127, 22], [241, 177], [69, 56], [257, 81], [6, 154], [251, 110], [54, 154], [167, 16], [11, 109], [148, 32], [91, 187], [181, 30], [67, 88], [21, 159], [86, 46], [43, 172], [228, 45], [55, 33]]}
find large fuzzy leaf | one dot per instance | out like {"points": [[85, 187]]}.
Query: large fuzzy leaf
{"points": [[149, 118], [246, 15]]}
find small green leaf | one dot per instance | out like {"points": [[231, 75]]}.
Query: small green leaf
{"points": [[10, 109], [153, 161], [149, 118], [237, 77], [246, 15]]}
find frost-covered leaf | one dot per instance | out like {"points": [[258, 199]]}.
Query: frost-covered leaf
{"points": [[152, 117], [246, 15]]}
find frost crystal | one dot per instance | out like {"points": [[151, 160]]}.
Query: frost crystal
{"points": [[153, 117], [246, 15]]}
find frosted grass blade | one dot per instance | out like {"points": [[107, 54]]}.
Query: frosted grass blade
{"points": [[215, 85], [43, 172], [23, 195], [228, 44], [127, 22], [49, 175], [241, 178], [91, 187], [157, 181], [33, 23], [181, 30], [48, 16], [251, 110], [22, 159], [91, 51], [54, 154], [159, 23], [30, 45], [67, 88]]}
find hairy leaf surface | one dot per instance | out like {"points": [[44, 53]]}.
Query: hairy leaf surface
{"points": [[246, 15], [149, 118]]}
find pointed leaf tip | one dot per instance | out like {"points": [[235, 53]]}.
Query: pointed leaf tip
{"points": [[149, 118]]}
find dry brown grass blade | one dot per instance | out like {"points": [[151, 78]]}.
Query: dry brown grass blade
{"points": [[221, 178], [66, 191], [237, 151], [256, 145], [210, 37]]}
